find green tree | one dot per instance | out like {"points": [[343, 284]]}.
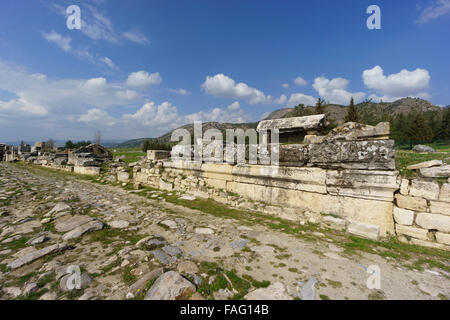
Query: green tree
{"points": [[69, 145], [352, 113], [320, 108], [419, 130], [146, 145]]}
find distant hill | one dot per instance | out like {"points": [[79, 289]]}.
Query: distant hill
{"points": [[165, 138], [337, 112]]}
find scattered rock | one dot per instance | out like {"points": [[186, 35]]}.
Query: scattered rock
{"points": [[426, 164], [170, 223], [204, 231], [187, 267], [239, 244], [308, 291], [36, 255], [12, 292], [170, 286], [422, 148], [119, 224]]}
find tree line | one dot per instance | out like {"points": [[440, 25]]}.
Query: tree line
{"points": [[413, 127]]}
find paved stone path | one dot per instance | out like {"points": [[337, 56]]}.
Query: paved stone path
{"points": [[52, 223]]}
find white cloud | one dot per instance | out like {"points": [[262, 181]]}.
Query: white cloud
{"points": [[334, 91], [182, 92], [299, 81], [143, 79], [136, 36], [285, 85], [97, 115], [109, 63], [59, 40], [234, 106], [397, 85], [281, 100], [223, 86], [127, 94], [437, 9], [300, 98]]}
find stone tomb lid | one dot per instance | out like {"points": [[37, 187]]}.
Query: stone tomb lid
{"points": [[293, 124]]}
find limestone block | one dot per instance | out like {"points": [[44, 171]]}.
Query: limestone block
{"points": [[403, 216], [430, 244], [373, 155], [300, 123], [424, 189], [412, 203], [444, 194], [367, 184], [123, 176], [335, 223], [358, 131], [411, 231], [365, 230], [440, 207], [163, 185], [293, 155], [443, 238], [311, 138], [426, 164], [404, 187], [90, 171], [436, 172], [433, 221]]}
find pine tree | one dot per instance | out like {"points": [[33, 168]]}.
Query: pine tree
{"points": [[419, 130], [352, 113], [320, 108]]}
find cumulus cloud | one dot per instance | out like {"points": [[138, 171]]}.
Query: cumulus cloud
{"points": [[437, 9], [281, 100], [234, 106], [300, 98], [299, 81], [285, 85], [223, 86], [143, 79], [397, 85], [97, 115], [334, 91]]}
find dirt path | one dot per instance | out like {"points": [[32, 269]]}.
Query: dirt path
{"points": [[123, 239]]}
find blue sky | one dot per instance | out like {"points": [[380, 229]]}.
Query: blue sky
{"points": [[140, 68]]}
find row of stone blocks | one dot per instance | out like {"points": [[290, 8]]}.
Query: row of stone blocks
{"points": [[422, 213]]}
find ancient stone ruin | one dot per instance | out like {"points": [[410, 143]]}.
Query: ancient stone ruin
{"points": [[345, 179]]}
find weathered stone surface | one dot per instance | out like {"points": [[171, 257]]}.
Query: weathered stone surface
{"points": [[123, 176], [169, 223], [204, 231], [433, 221], [356, 131], [119, 224], [294, 155], [311, 138], [424, 189], [187, 267], [67, 223], [443, 238], [404, 187], [170, 286], [81, 230], [163, 185], [411, 231], [403, 216], [367, 184], [365, 230], [423, 148], [158, 154], [440, 207], [84, 281], [12, 292], [36, 255], [294, 123], [335, 223], [426, 164], [308, 291], [276, 291], [137, 288], [428, 243], [90, 171], [444, 194], [376, 154], [436, 172], [30, 288], [412, 203], [59, 207]]}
